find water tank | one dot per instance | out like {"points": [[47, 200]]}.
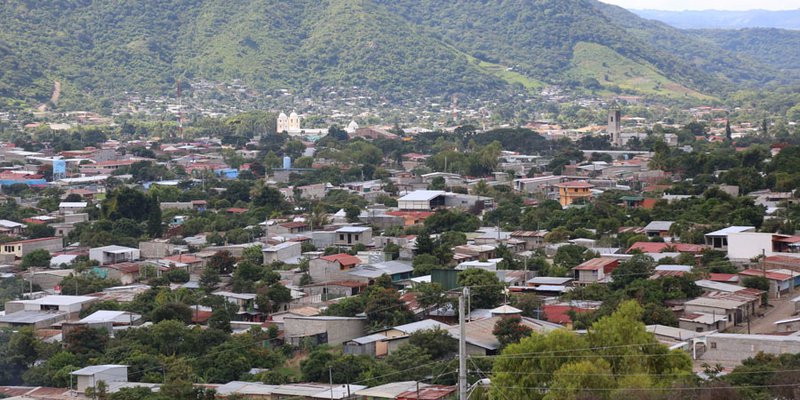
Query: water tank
{"points": [[287, 162]]}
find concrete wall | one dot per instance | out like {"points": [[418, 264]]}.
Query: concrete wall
{"points": [[730, 349], [119, 374], [153, 249], [746, 245], [339, 330], [290, 250]]}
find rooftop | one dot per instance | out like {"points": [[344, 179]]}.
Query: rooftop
{"points": [[422, 195]]}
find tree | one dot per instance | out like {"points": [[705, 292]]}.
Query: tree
{"points": [[172, 311], [39, 258], [510, 330], [411, 359], [424, 263], [424, 243], [209, 279], [154, 223], [222, 261], [569, 256], [253, 254], [517, 369], [36, 231], [315, 367], [352, 213], [431, 295], [486, 291], [583, 379], [638, 267], [385, 309], [437, 342], [728, 131], [178, 380]]}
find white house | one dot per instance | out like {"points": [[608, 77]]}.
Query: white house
{"points": [[89, 376], [113, 254]]}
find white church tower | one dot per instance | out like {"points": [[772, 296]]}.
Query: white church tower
{"points": [[283, 123]]}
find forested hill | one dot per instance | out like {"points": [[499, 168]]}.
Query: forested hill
{"points": [[779, 48], [396, 48]]}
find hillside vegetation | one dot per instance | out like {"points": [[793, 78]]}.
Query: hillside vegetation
{"points": [[394, 48]]}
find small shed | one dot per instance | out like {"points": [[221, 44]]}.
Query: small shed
{"points": [[89, 376]]}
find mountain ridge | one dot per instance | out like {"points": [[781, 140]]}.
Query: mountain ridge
{"points": [[395, 49]]}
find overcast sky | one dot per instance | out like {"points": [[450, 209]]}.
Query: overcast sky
{"points": [[707, 4]]}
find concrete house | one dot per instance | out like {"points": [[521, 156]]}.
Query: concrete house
{"points": [[596, 270], [334, 267], [89, 376], [125, 272], [322, 329], [384, 342], [66, 207], [533, 239], [718, 240], [22, 247], [113, 254], [351, 235], [282, 252], [658, 228]]}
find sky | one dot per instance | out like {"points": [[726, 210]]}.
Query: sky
{"points": [[677, 5]]}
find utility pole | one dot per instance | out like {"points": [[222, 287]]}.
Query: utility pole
{"points": [[330, 379], [462, 345]]}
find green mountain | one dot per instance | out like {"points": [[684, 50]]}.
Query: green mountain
{"points": [[393, 48], [778, 48]]}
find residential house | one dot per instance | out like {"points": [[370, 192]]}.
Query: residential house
{"points": [[125, 272], [574, 192], [658, 228], [282, 252], [351, 235], [718, 240], [480, 337], [533, 239], [334, 267], [22, 247], [596, 270], [322, 329], [384, 342], [113, 254], [396, 270], [67, 207], [88, 377], [44, 311], [10, 227], [780, 282]]}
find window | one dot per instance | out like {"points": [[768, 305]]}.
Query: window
{"points": [[713, 345], [341, 237], [8, 249], [356, 237], [698, 329]]}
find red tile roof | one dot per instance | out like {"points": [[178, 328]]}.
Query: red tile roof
{"points": [[342, 258], [607, 264], [184, 258], [660, 247], [125, 267], [727, 278], [557, 314], [774, 276]]}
